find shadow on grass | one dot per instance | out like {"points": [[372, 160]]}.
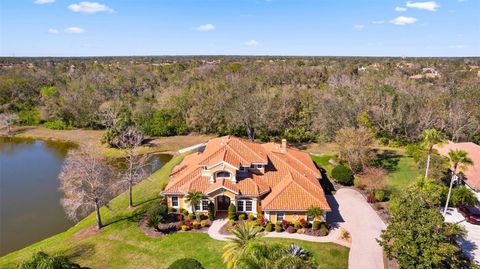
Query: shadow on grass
{"points": [[327, 186], [132, 216], [387, 159]]}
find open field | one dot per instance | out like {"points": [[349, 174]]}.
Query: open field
{"points": [[121, 244], [91, 138]]}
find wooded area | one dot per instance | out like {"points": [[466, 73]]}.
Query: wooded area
{"points": [[301, 99]]}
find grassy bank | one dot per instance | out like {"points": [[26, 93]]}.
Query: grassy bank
{"points": [[121, 244], [91, 138]]}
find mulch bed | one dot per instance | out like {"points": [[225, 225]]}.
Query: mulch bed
{"points": [[171, 227]]}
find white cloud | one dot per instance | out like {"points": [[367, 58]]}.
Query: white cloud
{"points": [[75, 30], [378, 22], [89, 7], [252, 42], [43, 2], [400, 9], [205, 27], [431, 5], [359, 26], [53, 31], [403, 20]]}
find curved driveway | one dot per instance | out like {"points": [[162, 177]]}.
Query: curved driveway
{"points": [[351, 211]]}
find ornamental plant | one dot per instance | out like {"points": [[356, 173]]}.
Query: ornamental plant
{"points": [[203, 223], [269, 227], [291, 230], [241, 217], [251, 216], [232, 212], [184, 228]]}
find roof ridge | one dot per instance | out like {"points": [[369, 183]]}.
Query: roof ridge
{"points": [[298, 161], [277, 194], [236, 153], [243, 141]]}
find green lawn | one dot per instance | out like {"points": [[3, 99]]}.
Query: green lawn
{"points": [[123, 245], [402, 169], [322, 161]]}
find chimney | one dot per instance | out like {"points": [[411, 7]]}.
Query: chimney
{"points": [[284, 145]]}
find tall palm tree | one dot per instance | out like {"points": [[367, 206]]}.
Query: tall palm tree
{"points": [[244, 233], [430, 138], [194, 198], [458, 159]]}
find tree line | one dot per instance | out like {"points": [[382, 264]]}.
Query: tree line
{"points": [[301, 99]]}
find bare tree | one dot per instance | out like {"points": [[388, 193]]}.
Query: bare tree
{"points": [[87, 184], [7, 120], [373, 178], [355, 146], [136, 170]]}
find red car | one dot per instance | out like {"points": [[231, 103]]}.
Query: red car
{"points": [[471, 214]]}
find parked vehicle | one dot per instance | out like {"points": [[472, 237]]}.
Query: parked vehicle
{"points": [[471, 214]]}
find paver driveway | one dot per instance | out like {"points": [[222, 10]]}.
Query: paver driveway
{"points": [[351, 211]]}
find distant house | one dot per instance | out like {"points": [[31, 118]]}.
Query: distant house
{"points": [[471, 173], [275, 179]]}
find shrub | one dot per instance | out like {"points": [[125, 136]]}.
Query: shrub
{"points": [[303, 223], [232, 222], [285, 224], [268, 227], [371, 198], [379, 196], [195, 225], [251, 216], [203, 223], [323, 231], [153, 222], [358, 184], [342, 175], [172, 210], [43, 260], [190, 216], [278, 227], [232, 211], [186, 263], [291, 230], [158, 212], [211, 211], [301, 231], [184, 211], [184, 228], [316, 225], [57, 125], [462, 196], [241, 217], [297, 225]]}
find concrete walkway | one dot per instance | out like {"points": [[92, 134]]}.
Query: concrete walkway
{"points": [[349, 211]]}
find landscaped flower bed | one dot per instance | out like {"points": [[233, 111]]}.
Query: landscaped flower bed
{"points": [[317, 228]]}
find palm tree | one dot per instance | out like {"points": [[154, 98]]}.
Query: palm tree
{"points": [[315, 212], [458, 159], [295, 257], [194, 198], [244, 233], [430, 138]]}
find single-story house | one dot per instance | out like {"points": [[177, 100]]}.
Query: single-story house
{"points": [[274, 179], [471, 174]]}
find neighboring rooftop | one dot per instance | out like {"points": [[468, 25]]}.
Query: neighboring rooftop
{"points": [[472, 172]]}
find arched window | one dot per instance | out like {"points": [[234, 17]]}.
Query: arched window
{"points": [[223, 174]]}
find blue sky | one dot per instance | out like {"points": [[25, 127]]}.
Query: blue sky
{"points": [[240, 27]]}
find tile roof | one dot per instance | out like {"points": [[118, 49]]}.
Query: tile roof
{"points": [[472, 172], [290, 180]]}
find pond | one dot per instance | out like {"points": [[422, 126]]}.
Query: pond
{"points": [[30, 207]]}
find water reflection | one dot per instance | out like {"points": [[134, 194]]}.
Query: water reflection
{"points": [[29, 198]]}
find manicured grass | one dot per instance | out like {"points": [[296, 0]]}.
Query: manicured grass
{"points": [[121, 244], [322, 162], [401, 169]]}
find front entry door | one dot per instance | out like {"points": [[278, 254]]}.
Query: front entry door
{"points": [[223, 202]]}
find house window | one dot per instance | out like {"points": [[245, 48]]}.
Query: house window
{"points": [[197, 207], [248, 206], [310, 218], [223, 174], [205, 205], [240, 206], [280, 216], [174, 201]]}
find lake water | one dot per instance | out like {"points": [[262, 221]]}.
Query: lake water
{"points": [[30, 207]]}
